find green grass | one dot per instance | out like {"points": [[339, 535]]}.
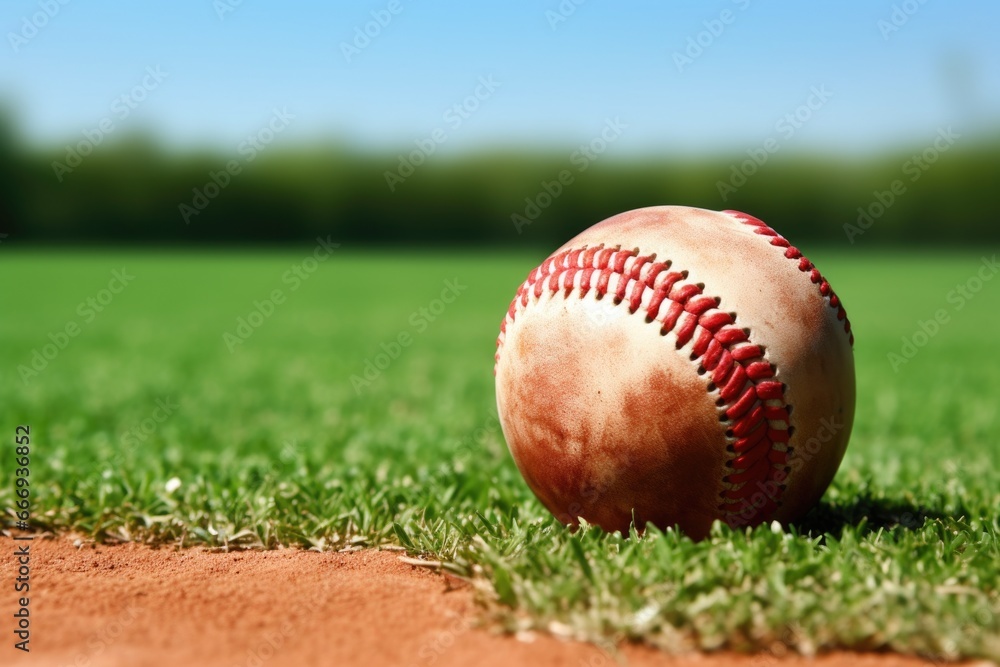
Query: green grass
{"points": [[273, 445]]}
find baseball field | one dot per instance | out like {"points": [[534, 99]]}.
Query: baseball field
{"points": [[306, 444]]}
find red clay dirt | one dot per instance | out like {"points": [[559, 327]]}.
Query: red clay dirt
{"points": [[135, 606]]}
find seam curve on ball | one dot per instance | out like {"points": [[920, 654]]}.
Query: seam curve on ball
{"points": [[791, 252], [751, 401]]}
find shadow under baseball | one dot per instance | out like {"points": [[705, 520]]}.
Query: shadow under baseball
{"points": [[866, 513]]}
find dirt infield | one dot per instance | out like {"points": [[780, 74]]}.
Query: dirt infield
{"points": [[134, 606]]}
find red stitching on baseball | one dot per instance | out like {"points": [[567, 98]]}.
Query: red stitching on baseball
{"points": [[791, 252], [751, 402]]}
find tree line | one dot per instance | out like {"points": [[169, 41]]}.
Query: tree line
{"points": [[136, 191]]}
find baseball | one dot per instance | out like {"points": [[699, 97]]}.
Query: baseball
{"points": [[676, 366]]}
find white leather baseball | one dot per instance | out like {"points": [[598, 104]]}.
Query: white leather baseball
{"points": [[676, 366]]}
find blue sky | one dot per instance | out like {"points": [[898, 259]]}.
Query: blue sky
{"points": [[557, 83]]}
